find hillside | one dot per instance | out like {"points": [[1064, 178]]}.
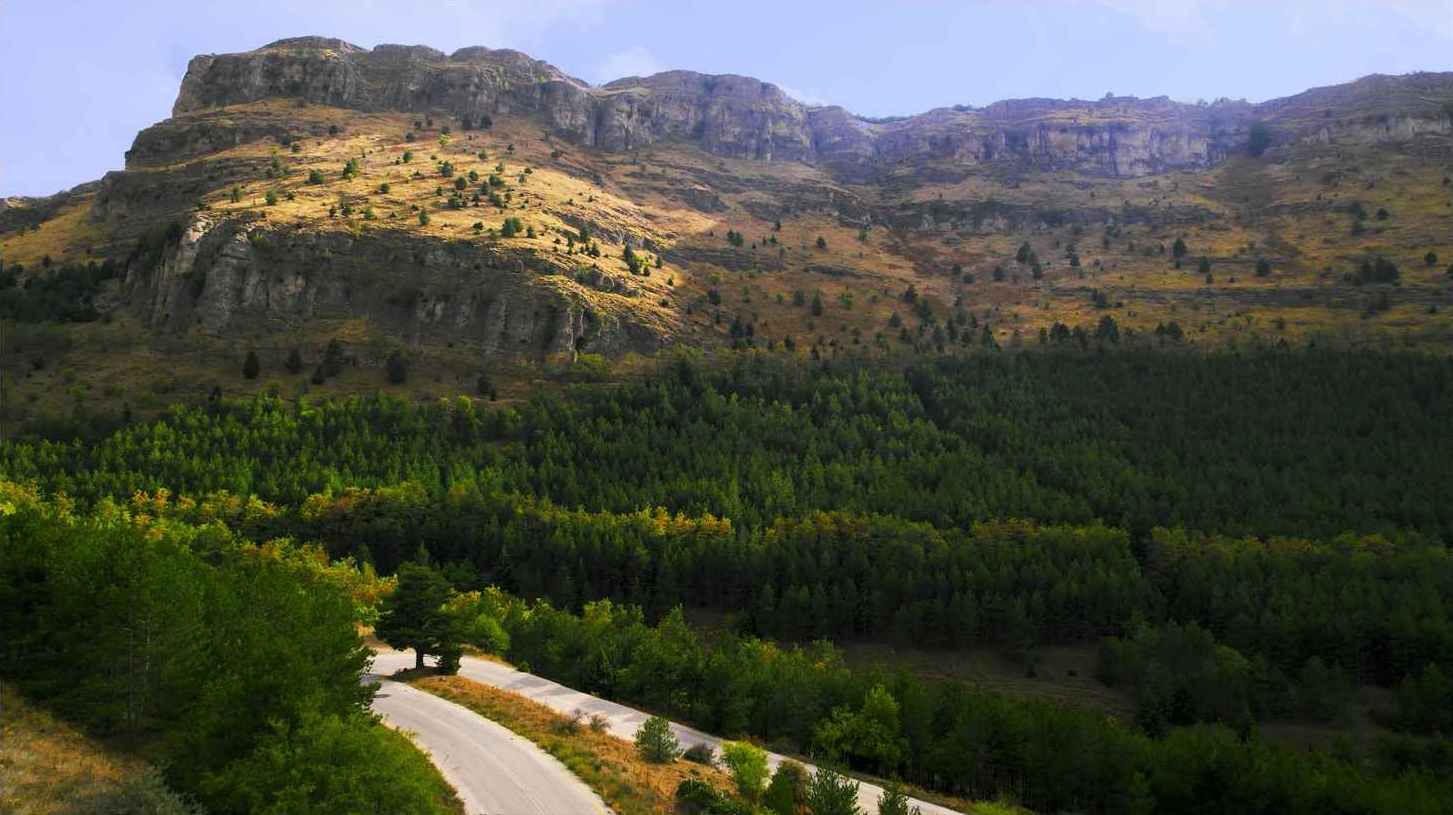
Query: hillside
{"points": [[48, 766], [480, 214]]}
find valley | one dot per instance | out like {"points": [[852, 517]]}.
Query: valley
{"points": [[420, 432]]}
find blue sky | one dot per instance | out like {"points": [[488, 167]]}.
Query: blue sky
{"points": [[78, 78]]}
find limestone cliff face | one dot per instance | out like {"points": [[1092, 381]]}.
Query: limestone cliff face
{"points": [[232, 273], [746, 118]]}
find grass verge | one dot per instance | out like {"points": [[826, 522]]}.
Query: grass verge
{"points": [[608, 765]]}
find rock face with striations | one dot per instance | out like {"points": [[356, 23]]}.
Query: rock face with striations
{"points": [[742, 117], [221, 274]]}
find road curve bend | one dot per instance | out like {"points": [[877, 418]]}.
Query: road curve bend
{"points": [[494, 771], [623, 721]]}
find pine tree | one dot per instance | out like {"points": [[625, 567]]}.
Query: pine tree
{"points": [[251, 367], [414, 617]]}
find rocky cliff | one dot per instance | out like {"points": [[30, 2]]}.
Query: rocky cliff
{"points": [[746, 118], [224, 273]]}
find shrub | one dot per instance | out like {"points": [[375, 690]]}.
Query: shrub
{"points": [[144, 793], [702, 753], [568, 725], [748, 765], [894, 801], [398, 368], [656, 743], [832, 793], [251, 367], [788, 790], [1258, 138]]}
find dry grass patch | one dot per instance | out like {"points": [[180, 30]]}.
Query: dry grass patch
{"points": [[608, 765], [47, 766]]}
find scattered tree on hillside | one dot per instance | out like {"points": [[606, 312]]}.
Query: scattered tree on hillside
{"points": [[832, 793], [398, 368], [250, 366], [656, 743], [748, 766]]}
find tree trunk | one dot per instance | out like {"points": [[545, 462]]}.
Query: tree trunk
{"points": [[418, 658]]}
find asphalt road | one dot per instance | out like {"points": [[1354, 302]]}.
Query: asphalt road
{"points": [[623, 721], [494, 771]]}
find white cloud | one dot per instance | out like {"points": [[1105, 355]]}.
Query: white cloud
{"points": [[634, 61]]}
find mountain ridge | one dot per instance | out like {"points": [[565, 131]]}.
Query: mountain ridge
{"points": [[744, 117]]}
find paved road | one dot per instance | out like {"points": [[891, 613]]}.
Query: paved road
{"points": [[494, 771], [624, 721]]}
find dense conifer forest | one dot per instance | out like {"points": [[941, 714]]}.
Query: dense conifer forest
{"points": [[1243, 537]]}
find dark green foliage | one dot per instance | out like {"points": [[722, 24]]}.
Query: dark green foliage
{"points": [[327, 765], [1258, 138], [413, 616], [1178, 249], [831, 793], [1377, 270], [1309, 452], [1179, 675], [957, 739], [333, 359], [294, 363], [787, 790], [61, 294], [201, 644], [250, 366], [1263, 267], [1425, 702], [697, 797], [398, 368], [656, 743], [894, 801]]}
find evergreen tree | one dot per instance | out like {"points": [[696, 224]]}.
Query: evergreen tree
{"points": [[656, 743], [414, 616], [250, 366], [832, 793]]}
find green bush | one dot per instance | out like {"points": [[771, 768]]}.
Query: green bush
{"points": [[656, 743]]}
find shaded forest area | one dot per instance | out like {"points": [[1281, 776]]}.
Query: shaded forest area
{"points": [[1247, 537]]}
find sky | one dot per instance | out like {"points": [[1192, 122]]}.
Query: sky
{"points": [[79, 78]]}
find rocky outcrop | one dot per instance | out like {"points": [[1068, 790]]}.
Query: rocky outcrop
{"points": [[239, 272], [746, 118]]}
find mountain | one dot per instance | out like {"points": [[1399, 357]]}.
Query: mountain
{"points": [[483, 212]]}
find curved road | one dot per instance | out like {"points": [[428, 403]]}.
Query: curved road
{"points": [[623, 721], [494, 771]]}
